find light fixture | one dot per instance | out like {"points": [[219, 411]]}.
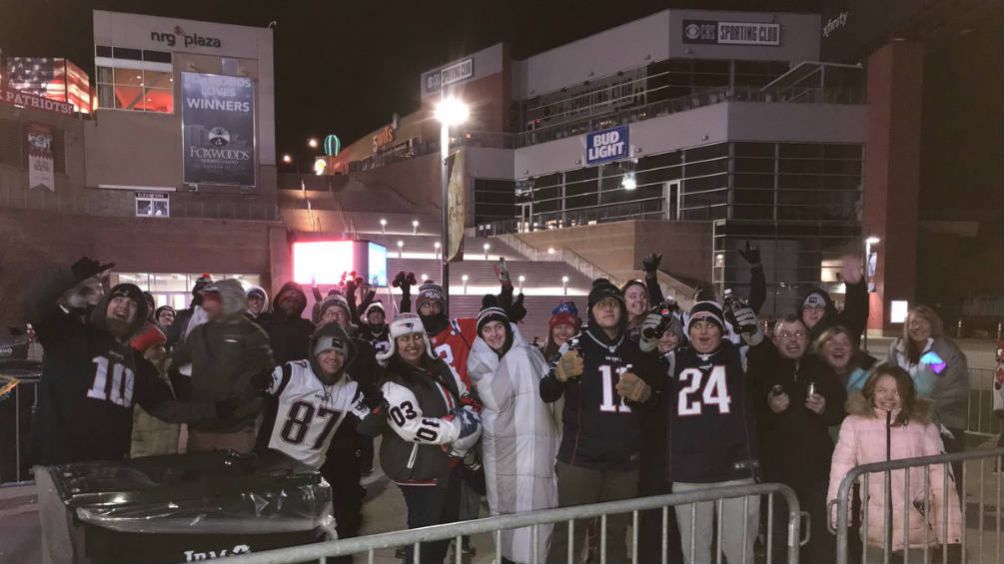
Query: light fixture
{"points": [[424, 277], [383, 225], [312, 143], [464, 279], [452, 111], [564, 285], [437, 246], [521, 280], [414, 227], [287, 158], [400, 248], [873, 240], [486, 247], [629, 182]]}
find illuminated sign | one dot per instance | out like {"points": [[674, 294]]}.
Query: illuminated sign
{"points": [[607, 145], [731, 33], [326, 262], [450, 74]]}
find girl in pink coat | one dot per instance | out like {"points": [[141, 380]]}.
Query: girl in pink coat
{"points": [[887, 421]]}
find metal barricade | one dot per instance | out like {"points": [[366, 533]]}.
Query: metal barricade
{"points": [[368, 545], [981, 420], [988, 477], [19, 381]]}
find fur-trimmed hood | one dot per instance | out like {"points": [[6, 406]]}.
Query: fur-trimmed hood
{"points": [[857, 404]]}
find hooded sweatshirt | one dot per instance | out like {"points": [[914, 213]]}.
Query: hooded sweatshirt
{"points": [[227, 355], [263, 317], [865, 437], [91, 380], [289, 335], [854, 315]]}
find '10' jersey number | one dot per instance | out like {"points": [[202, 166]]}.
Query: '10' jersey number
{"points": [[702, 390]]}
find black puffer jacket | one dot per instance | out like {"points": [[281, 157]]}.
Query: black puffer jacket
{"points": [[289, 335]]}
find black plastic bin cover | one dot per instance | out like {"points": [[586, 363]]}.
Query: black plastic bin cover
{"points": [[208, 493]]}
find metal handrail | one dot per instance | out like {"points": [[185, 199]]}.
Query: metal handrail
{"points": [[448, 531]]}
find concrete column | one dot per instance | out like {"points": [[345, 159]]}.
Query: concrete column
{"points": [[892, 172]]}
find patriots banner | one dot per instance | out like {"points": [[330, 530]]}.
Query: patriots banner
{"points": [[218, 129], [52, 78], [41, 170]]}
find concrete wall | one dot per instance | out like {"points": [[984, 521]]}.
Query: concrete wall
{"points": [[134, 245], [619, 247]]}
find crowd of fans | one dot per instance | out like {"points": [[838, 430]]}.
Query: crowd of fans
{"points": [[639, 398]]}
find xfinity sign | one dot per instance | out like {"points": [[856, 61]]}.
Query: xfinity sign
{"points": [[607, 145]]}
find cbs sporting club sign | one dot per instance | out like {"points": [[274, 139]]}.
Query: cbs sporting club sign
{"points": [[712, 32], [218, 129]]}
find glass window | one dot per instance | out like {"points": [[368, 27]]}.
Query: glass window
{"points": [[135, 89], [153, 205]]}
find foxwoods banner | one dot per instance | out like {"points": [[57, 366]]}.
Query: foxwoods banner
{"points": [[218, 129]]}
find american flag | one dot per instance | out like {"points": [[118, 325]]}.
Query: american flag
{"points": [[53, 78]]}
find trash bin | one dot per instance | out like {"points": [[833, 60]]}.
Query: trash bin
{"points": [[193, 507]]}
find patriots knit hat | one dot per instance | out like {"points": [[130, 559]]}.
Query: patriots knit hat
{"points": [[327, 342], [564, 314], [602, 289], [490, 311], [706, 311], [429, 292], [150, 336], [814, 299], [404, 324]]}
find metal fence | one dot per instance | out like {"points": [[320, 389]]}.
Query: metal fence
{"points": [[936, 497], [982, 420], [17, 405], [368, 545]]}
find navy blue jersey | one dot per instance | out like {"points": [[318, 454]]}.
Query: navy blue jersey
{"points": [[711, 427], [600, 430]]}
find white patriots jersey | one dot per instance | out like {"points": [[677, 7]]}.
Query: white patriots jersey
{"points": [[309, 411]]}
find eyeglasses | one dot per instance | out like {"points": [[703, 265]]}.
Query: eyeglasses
{"points": [[787, 336]]}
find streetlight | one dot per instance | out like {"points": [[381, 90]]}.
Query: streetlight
{"points": [[414, 227], [400, 247], [564, 284], [287, 159], [629, 182], [383, 225], [464, 279], [550, 250], [449, 112], [487, 247], [312, 143], [424, 277], [437, 247], [521, 280]]}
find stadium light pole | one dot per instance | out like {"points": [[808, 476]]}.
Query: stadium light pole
{"points": [[449, 112]]}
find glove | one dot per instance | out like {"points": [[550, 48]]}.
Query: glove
{"points": [[650, 333], [569, 366], [411, 279], [651, 263], [86, 268], [399, 280], [517, 312], [751, 254], [226, 408], [633, 388], [747, 325], [350, 286]]}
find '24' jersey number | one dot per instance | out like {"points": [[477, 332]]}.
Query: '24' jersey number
{"points": [[702, 390]]}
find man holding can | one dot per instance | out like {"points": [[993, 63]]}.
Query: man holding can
{"points": [[798, 397]]}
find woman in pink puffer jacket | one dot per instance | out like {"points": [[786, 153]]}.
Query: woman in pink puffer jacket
{"points": [[886, 421]]}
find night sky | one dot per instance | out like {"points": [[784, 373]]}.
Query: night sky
{"points": [[346, 67]]}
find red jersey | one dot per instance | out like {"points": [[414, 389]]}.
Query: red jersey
{"points": [[454, 343]]}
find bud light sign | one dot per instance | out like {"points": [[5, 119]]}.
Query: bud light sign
{"points": [[607, 145]]}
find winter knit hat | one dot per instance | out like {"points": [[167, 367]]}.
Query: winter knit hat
{"points": [[150, 336], [201, 282], [814, 299], [564, 314], [490, 311], [429, 292], [331, 336], [404, 324], [334, 300], [131, 291], [602, 289], [706, 311]]}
